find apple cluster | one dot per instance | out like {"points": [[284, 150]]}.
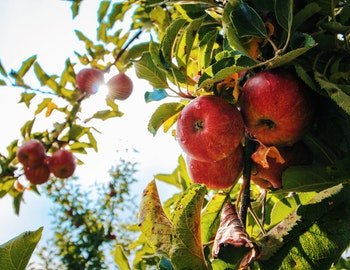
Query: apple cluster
{"points": [[38, 166], [274, 109], [88, 80], [210, 131]]}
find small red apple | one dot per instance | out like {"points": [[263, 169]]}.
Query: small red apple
{"points": [[62, 163], [271, 177], [120, 86], [209, 128], [31, 154], [88, 80], [277, 108], [219, 174], [37, 175]]}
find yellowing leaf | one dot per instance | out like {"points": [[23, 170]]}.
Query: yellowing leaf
{"points": [[50, 107], [152, 220]]}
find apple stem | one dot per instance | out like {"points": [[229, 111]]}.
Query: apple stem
{"points": [[245, 199]]}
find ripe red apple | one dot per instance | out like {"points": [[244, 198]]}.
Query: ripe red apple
{"points": [[209, 128], [62, 163], [219, 174], [31, 154], [120, 86], [37, 175], [88, 80], [271, 177], [277, 108]]}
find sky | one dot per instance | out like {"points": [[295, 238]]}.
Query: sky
{"points": [[45, 28]]}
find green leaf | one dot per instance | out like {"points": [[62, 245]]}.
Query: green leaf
{"points": [[2, 82], [43, 105], [284, 13], [6, 184], [102, 10], [104, 115], [186, 245], [152, 220], [301, 72], [88, 42], [247, 21], [26, 129], [26, 98], [334, 91], [146, 69], [168, 41], [304, 14], [120, 258], [92, 140], [301, 219], [75, 7], [315, 177], [288, 57], [102, 32], [206, 46], [211, 216], [185, 44], [2, 70], [68, 74], [322, 238], [179, 177], [155, 95], [26, 65], [163, 113], [15, 254], [320, 151]]}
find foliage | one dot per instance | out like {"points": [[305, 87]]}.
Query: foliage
{"points": [[88, 224], [198, 48]]}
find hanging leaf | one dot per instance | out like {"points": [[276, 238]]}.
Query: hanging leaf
{"points": [[247, 21], [211, 216], [146, 69], [162, 114], [206, 47], [284, 13], [152, 220], [2, 70], [334, 91], [102, 10], [26, 65], [179, 177], [15, 254], [186, 247], [120, 258]]}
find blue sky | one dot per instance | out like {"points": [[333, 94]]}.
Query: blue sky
{"points": [[45, 28]]}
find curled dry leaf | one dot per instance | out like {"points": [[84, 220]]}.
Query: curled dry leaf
{"points": [[231, 233], [263, 152]]}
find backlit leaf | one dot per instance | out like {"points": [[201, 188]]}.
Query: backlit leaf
{"points": [[152, 220], [26, 65], [120, 258], [211, 216], [102, 10], [146, 69], [162, 114], [15, 254], [2, 70], [26, 98], [186, 245]]}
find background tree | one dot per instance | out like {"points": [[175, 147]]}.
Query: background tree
{"points": [[219, 48]]}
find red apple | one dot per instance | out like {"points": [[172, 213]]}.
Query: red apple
{"points": [[88, 80], [37, 175], [62, 163], [31, 154], [277, 108], [271, 177], [120, 86], [219, 174], [209, 128]]}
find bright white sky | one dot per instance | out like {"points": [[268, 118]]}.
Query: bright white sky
{"points": [[45, 28]]}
